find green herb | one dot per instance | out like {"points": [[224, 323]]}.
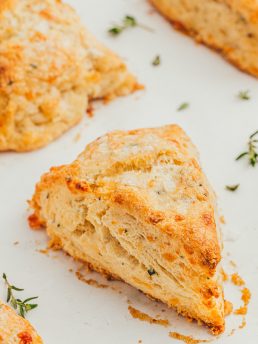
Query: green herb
{"points": [[252, 153], [23, 306], [151, 271], [156, 61], [244, 95], [232, 187], [183, 106], [127, 22]]}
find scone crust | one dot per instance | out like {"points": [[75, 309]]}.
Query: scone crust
{"points": [[15, 329], [241, 50], [105, 170], [49, 67]]}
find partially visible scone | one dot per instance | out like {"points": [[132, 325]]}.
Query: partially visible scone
{"points": [[137, 206], [49, 67], [15, 329], [229, 26]]}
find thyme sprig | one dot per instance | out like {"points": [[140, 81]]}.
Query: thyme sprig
{"points": [[252, 152], [22, 306], [127, 22]]}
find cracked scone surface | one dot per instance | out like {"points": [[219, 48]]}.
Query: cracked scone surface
{"points": [[49, 67], [137, 206], [229, 26], [15, 329]]}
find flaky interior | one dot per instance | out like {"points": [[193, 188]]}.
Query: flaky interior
{"points": [[113, 241]]}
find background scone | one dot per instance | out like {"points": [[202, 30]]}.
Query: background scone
{"points": [[137, 206], [15, 329], [49, 67], [230, 26]]}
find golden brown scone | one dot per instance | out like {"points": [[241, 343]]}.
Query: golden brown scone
{"points": [[137, 206], [49, 67], [229, 26], [15, 329]]}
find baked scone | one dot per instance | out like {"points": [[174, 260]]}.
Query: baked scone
{"points": [[15, 329], [229, 26], [136, 205], [49, 67]]}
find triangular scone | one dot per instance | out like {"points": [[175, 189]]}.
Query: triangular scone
{"points": [[49, 67], [15, 329], [137, 206], [229, 26]]}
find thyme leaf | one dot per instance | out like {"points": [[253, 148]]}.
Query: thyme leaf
{"points": [[244, 95], [183, 106], [232, 187], [156, 61], [151, 271], [22, 306], [127, 22], [252, 152]]}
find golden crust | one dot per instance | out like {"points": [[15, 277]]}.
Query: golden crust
{"points": [[228, 26], [152, 178], [15, 329], [49, 66]]}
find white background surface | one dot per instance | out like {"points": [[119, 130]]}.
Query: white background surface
{"points": [[72, 312]]}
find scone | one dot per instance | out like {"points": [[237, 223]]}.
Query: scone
{"points": [[15, 329], [229, 26], [49, 67], [136, 205]]}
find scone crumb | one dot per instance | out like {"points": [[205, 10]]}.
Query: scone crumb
{"points": [[137, 314], [90, 110], [228, 307], [243, 324], [77, 137], [232, 263], [224, 275], [222, 220], [187, 339], [43, 251], [246, 296], [237, 280], [90, 281]]}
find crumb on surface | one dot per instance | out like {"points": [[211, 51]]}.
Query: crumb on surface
{"points": [[16, 243], [228, 307], [187, 339], [77, 137], [90, 110], [232, 263], [137, 314], [237, 280], [222, 220], [246, 296], [90, 281], [224, 275]]}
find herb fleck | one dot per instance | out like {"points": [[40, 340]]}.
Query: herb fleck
{"points": [[232, 187], [252, 153], [23, 306], [183, 106], [156, 61], [244, 95], [127, 22], [151, 271]]}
